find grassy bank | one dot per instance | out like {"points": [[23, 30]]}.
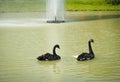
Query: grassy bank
{"points": [[90, 5], [39, 5]]}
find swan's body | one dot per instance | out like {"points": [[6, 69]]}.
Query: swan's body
{"points": [[86, 56], [49, 56]]}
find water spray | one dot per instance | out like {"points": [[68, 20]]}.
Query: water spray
{"points": [[55, 11]]}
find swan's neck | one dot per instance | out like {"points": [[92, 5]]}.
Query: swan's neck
{"points": [[90, 48], [54, 52]]}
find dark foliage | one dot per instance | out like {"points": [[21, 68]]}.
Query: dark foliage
{"points": [[113, 2]]}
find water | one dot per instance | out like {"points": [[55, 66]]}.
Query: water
{"points": [[55, 10], [20, 45]]}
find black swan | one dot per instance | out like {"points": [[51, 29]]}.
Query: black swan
{"points": [[87, 56], [49, 56]]}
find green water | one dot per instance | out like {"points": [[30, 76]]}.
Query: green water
{"points": [[20, 45]]}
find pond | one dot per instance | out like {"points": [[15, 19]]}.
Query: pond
{"points": [[20, 45]]}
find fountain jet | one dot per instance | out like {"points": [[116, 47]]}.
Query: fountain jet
{"points": [[55, 11]]}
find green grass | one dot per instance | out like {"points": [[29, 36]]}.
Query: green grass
{"points": [[90, 5], [39, 5]]}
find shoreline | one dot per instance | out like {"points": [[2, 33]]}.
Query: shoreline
{"points": [[44, 11]]}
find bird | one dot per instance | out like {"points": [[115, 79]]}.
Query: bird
{"points": [[86, 56], [49, 56]]}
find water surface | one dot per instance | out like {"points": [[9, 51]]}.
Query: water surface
{"points": [[21, 45]]}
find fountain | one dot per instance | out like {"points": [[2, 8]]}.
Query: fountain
{"points": [[54, 11]]}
